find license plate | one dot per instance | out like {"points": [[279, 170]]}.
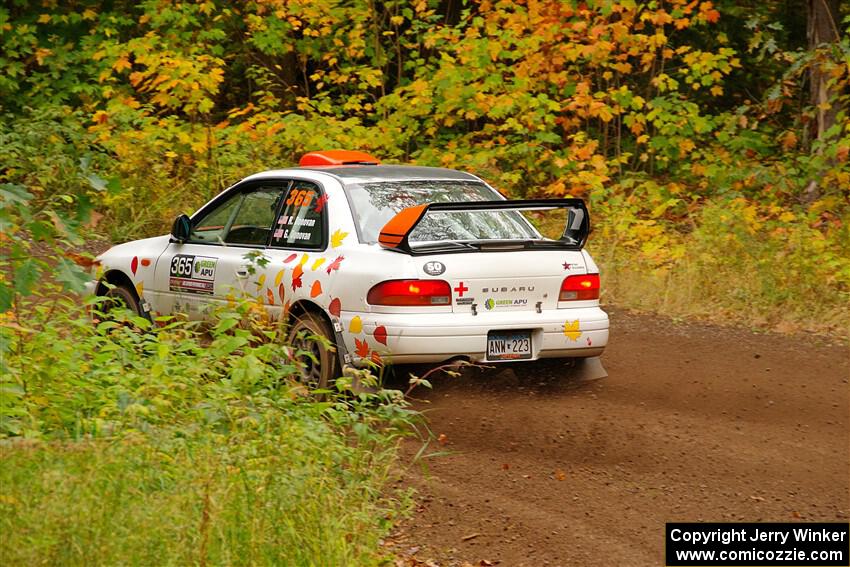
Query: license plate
{"points": [[508, 345]]}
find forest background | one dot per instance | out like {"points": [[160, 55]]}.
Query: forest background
{"points": [[711, 139]]}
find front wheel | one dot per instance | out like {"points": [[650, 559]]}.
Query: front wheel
{"points": [[120, 297], [311, 335]]}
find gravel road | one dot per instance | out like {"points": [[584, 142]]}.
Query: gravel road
{"points": [[695, 422]]}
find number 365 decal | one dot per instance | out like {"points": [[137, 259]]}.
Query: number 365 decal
{"points": [[192, 274], [300, 198]]}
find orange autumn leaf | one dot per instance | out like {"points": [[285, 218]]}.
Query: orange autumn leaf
{"points": [[789, 140], [361, 348], [296, 277], [81, 260]]}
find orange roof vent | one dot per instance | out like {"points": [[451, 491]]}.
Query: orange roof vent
{"points": [[338, 157]]}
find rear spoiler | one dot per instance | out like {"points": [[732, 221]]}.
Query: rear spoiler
{"points": [[396, 232]]}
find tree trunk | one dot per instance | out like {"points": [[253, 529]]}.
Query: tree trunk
{"points": [[822, 29]]}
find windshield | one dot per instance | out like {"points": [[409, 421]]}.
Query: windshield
{"points": [[375, 204]]}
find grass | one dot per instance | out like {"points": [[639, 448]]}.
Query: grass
{"points": [[204, 501], [122, 447]]}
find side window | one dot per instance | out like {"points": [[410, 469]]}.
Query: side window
{"points": [[252, 224], [213, 226], [302, 221], [246, 218]]}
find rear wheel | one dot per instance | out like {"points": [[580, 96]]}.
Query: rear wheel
{"points": [[313, 336]]}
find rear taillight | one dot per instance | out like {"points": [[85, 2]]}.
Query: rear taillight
{"points": [[585, 286], [411, 293]]}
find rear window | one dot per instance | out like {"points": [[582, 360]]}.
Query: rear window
{"points": [[375, 204]]}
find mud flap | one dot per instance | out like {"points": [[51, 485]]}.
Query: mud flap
{"points": [[347, 369], [587, 369]]}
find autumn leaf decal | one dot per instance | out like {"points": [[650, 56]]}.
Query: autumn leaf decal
{"points": [[318, 263], [279, 277], [376, 358], [361, 348], [320, 203], [296, 277], [571, 330], [281, 292], [356, 325], [290, 258], [380, 334], [337, 237], [335, 307], [316, 290], [335, 264], [134, 264], [270, 295]]}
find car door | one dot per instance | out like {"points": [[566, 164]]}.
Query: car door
{"points": [[300, 262], [219, 260]]}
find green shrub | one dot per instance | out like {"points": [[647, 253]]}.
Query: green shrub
{"points": [[173, 446]]}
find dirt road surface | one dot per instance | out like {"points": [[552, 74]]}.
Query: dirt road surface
{"points": [[694, 423]]}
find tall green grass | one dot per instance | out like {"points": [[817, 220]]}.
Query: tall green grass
{"points": [[171, 447]]}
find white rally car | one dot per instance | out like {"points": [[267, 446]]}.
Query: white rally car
{"points": [[392, 264]]}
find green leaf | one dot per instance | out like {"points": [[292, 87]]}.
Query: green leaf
{"points": [[26, 274], [7, 296], [13, 193], [96, 182], [113, 186], [71, 275], [41, 230]]}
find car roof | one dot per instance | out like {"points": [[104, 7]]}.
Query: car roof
{"points": [[376, 173]]}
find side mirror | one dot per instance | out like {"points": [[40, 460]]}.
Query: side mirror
{"points": [[181, 228]]}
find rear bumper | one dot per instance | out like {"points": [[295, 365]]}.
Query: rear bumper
{"points": [[559, 333]]}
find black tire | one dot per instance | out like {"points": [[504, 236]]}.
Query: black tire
{"points": [[321, 372], [121, 297]]}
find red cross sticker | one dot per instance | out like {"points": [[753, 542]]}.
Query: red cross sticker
{"points": [[460, 289]]}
